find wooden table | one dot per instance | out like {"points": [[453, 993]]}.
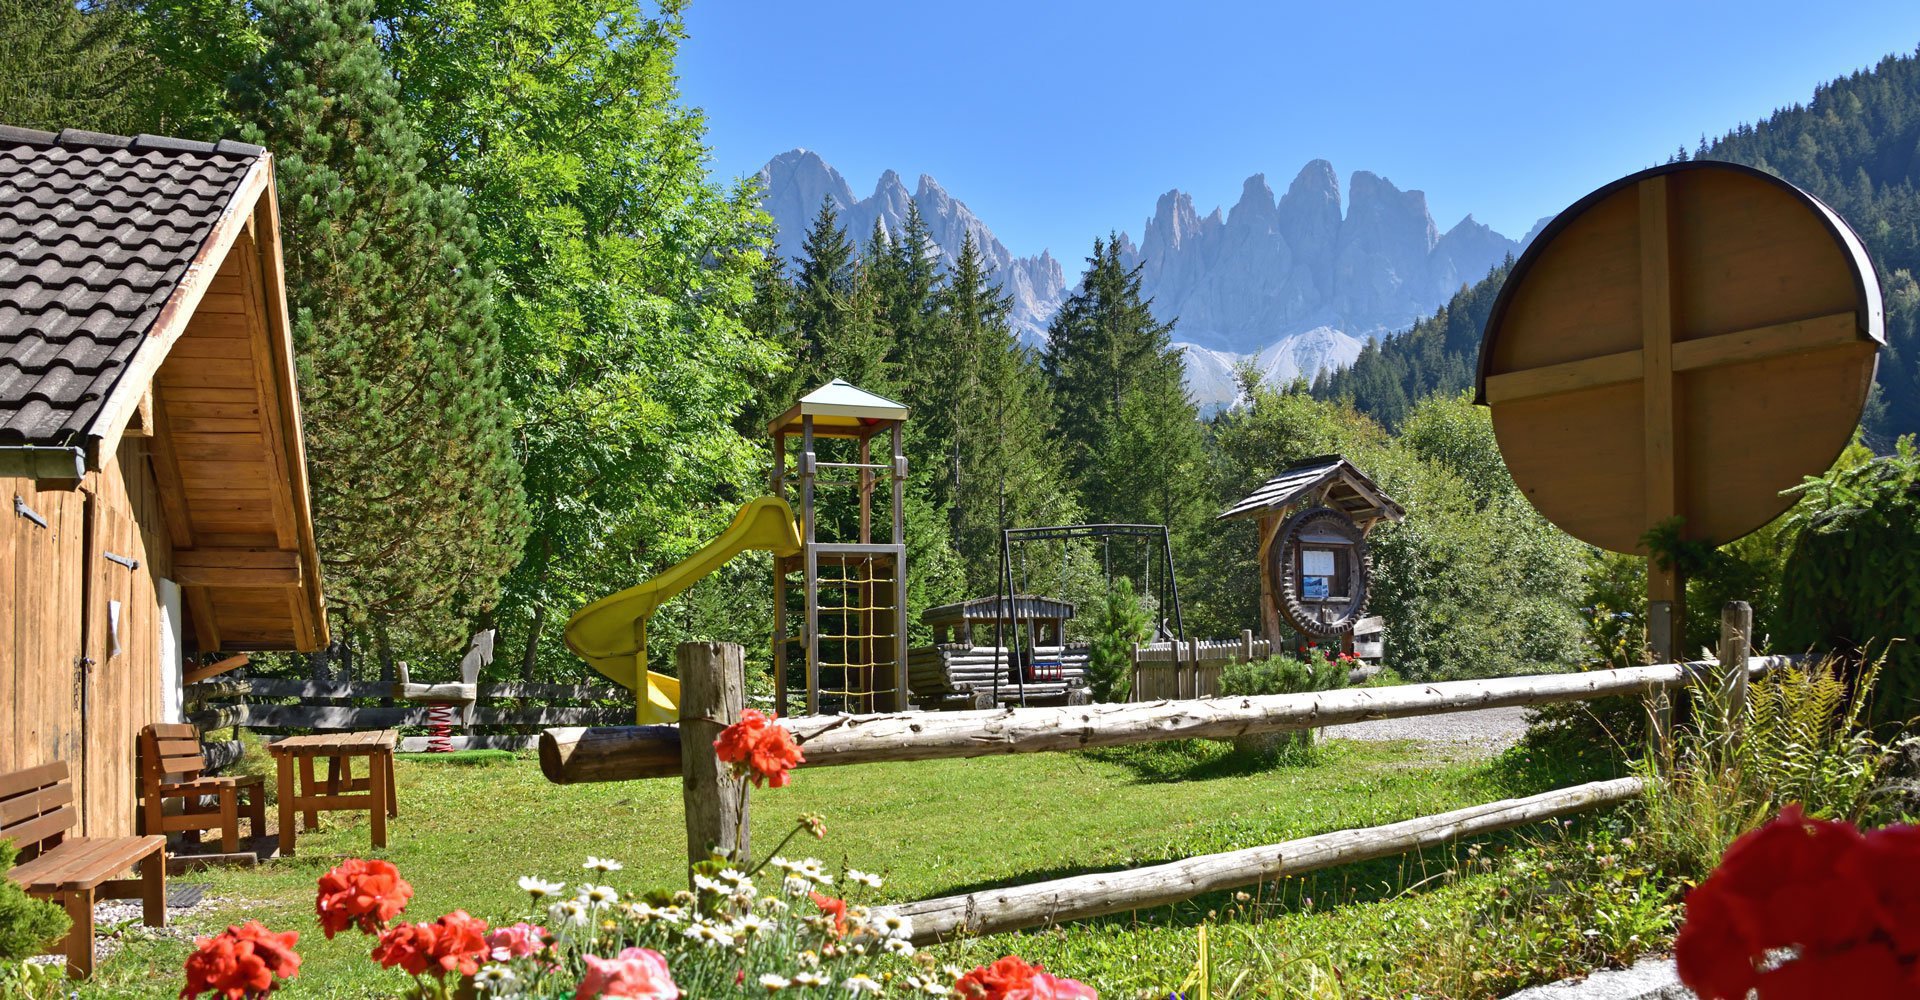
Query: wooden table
{"points": [[342, 791]]}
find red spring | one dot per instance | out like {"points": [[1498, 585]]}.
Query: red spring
{"points": [[440, 720]]}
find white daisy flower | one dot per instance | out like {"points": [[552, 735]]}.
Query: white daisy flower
{"points": [[672, 914], [796, 885], [708, 936], [808, 978], [539, 887], [869, 880], [774, 982], [931, 987], [898, 946], [780, 864], [887, 923], [812, 870], [751, 924], [602, 864], [859, 983], [642, 912], [570, 911], [705, 884], [598, 897], [774, 904], [811, 959], [493, 978]]}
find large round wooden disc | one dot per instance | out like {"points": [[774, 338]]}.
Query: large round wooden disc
{"points": [[1688, 341]]}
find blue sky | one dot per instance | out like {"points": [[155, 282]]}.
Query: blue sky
{"points": [[1057, 120]]}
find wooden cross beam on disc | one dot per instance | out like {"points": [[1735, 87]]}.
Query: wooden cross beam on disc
{"points": [[1686, 342]]}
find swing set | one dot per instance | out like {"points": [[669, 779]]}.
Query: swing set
{"points": [[1020, 645]]}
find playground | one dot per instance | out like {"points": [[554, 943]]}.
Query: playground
{"points": [[1066, 773]]}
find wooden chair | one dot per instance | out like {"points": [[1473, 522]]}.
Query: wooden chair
{"points": [[171, 763], [36, 811]]}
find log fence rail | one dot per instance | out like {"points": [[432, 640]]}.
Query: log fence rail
{"points": [[715, 802]]}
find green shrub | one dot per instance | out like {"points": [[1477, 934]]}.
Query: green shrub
{"points": [[28, 926], [1852, 581], [1285, 675], [1320, 670], [1118, 623]]}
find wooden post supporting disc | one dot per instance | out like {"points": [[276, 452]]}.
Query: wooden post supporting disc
{"points": [[1686, 342]]}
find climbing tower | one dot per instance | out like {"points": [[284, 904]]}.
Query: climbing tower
{"points": [[840, 603]]}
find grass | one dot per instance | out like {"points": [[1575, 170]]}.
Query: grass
{"points": [[934, 828]]}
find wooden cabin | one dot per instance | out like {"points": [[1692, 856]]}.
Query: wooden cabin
{"points": [[971, 651], [154, 480]]}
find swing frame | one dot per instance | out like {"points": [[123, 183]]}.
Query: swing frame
{"points": [[1167, 593]]}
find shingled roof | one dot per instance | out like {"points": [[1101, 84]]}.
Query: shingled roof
{"points": [[1346, 488], [97, 235]]}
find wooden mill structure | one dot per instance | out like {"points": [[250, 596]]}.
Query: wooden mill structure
{"points": [[851, 627], [1327, 483]]}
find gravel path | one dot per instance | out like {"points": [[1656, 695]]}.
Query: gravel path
{"points": [[1487, 731]]}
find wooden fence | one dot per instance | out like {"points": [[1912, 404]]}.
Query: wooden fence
{"points": [[716, 800], [505, 715], [1191, 669]]}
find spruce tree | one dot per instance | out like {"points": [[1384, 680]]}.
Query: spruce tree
{"points": [[990, 408], [836, 311], [416, 496], [1131, 431]]}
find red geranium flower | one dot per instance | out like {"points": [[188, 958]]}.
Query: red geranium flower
{"points": [[760, 747], [366, 894], [1011, 978], [1844, 905], [454, 943], [836, 908], [241, 963]]}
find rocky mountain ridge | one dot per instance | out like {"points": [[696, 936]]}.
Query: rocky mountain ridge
{"points": [[1292, 284]]}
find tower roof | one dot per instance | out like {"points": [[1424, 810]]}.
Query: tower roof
{"points": [[840, 409]]}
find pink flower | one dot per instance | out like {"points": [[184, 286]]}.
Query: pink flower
{"points": [[635, 974], [518, 941]]}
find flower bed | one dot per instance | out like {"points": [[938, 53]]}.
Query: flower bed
{"points": [[784, 926]]}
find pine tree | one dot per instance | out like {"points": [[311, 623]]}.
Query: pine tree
{"points": [[416, 497], [836, 311], [1128, 424], [989, 409]]}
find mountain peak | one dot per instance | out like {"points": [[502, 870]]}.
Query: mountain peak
{"points": [[1256, 202]]}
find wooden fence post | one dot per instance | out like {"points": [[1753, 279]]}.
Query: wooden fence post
{"points": [[1134, 693], [1659, 703], [1193, 671], [1736, 644], [1246, 645], [712, 691]]}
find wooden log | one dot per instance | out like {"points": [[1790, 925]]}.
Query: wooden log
{"points": [[220, 689], [446, 691], [713, 689], [992, 911], [622, 753], [219, 717]]}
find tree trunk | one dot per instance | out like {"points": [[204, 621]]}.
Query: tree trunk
{"points": [[531, 657]]}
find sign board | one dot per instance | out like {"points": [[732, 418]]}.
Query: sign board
{"points": [[1322, 572], [1685, 342]]}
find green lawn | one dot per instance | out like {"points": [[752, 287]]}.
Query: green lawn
{"points": [[466, 832]]}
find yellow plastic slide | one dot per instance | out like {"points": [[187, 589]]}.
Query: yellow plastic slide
{"points": [[611, 633]]}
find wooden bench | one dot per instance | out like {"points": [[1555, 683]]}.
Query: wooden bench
{"points": [[172, 766], [36, 811]]}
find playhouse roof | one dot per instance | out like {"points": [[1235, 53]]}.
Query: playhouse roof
{"points": [[1347, 488], [840, 409], [993, 608]]}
